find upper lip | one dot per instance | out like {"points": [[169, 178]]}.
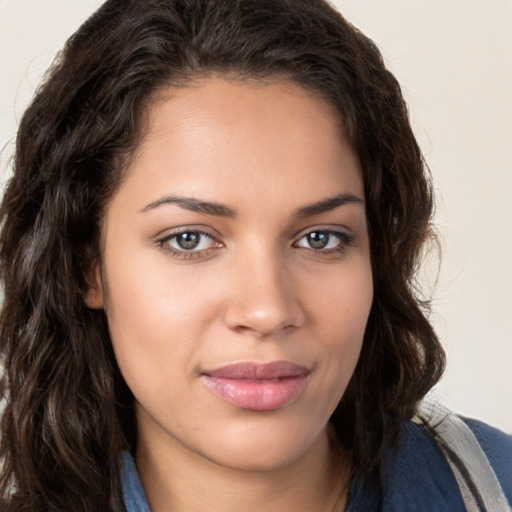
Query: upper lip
{"points": [[258, 371]]}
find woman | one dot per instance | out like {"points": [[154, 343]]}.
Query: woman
{"points": [[208, 255]]}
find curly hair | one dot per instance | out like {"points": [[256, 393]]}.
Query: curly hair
{"points": [[68, 412]]}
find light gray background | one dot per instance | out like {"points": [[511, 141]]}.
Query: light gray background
{"points": [[454, 60]]}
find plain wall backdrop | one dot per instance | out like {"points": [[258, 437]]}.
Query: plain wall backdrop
{"points": [[454, 61]]}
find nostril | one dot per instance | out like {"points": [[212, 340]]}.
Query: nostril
{"points": [[263, 321]]}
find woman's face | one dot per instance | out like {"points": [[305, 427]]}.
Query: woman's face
{"points": [[236, 273]]}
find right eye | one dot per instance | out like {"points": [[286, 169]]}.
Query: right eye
{"points": [[188, 243]]}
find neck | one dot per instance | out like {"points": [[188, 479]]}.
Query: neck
{"points": [[178, 481]]}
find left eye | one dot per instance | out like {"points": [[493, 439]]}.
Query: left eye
{"points": [[323, 239], [188, 241]]}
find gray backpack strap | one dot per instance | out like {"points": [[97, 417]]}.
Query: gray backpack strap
{"points": [[478, 484]]}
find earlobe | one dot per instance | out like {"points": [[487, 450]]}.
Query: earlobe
{"points": [[94, 296]]}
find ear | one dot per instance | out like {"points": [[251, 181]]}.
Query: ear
{"points": [[94, 298]]}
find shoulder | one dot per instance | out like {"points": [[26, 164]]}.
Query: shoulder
{"points": [[497, 446], [417, 468], [411, 471]]}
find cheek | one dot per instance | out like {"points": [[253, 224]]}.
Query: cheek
{"points": [[341, 313], [156, 321], [148, 294], [340, 301]]}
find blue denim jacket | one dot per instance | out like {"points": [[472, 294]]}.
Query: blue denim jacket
{"points": [[132, 491], [415, 475]]}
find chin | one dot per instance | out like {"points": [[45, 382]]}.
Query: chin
{"points": [[264, 449]]}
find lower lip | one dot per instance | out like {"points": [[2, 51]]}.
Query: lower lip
{"points": [[261, 395]]}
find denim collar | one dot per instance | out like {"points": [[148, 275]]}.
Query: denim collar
{"points": [[131, 488]]}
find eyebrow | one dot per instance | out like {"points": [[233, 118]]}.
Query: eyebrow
{"points": [[328, 204], [192, 204], [222, 210]]}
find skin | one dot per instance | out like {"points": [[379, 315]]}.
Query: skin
{"points": [[254, 289]]}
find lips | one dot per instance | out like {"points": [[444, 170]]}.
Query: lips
{"points": [[257, 386]]}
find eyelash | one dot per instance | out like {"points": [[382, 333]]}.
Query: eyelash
{"points": [[345, 241], [184, 254]]}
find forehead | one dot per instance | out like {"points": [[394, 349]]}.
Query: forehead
{"points": [[231, 137], [229, 97]]}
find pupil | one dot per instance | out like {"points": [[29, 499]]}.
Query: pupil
{"points": [[318, 239], [188, 240]]}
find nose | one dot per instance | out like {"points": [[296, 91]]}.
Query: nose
{"points": [[263, 298]]}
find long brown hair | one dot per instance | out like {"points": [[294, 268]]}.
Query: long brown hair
{"points": [[68, 412]]}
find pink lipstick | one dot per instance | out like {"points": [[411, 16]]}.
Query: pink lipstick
{"points": [[257, 386]]}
